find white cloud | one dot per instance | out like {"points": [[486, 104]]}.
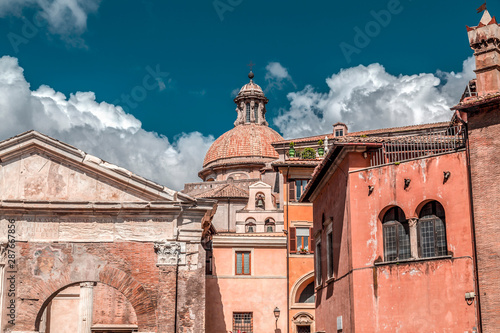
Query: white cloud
{"points": [[367, 97], [277, 76], [65, 17], [101, 129]]}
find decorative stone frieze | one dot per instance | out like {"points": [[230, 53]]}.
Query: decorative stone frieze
{"points": [[170, 253]]}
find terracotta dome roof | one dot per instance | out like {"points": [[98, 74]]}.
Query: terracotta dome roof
{"points": [[249, 141]]}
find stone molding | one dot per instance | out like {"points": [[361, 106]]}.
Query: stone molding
{"points": [[250, 241], [170, 253]]}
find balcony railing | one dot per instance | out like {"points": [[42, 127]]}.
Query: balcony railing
{"points": [[411, 147]]}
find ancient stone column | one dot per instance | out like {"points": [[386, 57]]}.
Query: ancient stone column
{"points": [[413, 237], [86, 307]]}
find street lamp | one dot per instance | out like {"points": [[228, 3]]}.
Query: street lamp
{"points": [[276, 315]]}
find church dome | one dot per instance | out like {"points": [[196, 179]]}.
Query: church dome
{"points": [[244, 143], [249, 142]]}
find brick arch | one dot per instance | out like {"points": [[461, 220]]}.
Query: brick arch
{"points": [[144, 306]]}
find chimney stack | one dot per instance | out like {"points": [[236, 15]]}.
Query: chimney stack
{"points": [[485, 41]]}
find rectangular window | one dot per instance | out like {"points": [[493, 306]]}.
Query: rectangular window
{"points": [[317, 258], [243, 263], [339, 132], [302, 239], [243, 322], [256, 112], [329, 254], [298, 188]]}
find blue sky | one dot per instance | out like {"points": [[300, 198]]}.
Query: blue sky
{"points": [[199, 51]]}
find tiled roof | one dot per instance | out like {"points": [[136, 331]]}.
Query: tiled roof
{"points": [[298, 162], [473, 101], [249, 140], [378, 132], [224, 191]]}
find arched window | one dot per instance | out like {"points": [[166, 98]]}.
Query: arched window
{"points": [[396, 235], [256, 111], [270, 225], [248, 112], [432, 231], [250, 225], [307, 295]]}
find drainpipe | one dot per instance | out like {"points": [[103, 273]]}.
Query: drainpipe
{"points": [[473, 231], [287, 194]]}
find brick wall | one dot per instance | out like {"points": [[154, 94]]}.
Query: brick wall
{"points": [[484, 143]]}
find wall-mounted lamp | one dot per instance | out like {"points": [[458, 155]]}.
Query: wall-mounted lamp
{"points": [[370, 189], [365, 155], [407, 183], [447, 175], [276, 315]]}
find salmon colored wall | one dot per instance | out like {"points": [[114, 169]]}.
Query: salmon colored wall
{"points": [[259, 293], [421, 296], [334, 299]]}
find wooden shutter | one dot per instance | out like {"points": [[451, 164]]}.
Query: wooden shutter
{"points": [[293, 240], [311, 241], [291, 190]]}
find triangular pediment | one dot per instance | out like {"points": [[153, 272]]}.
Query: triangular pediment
{"points": [[259, 184], [37, 167]]}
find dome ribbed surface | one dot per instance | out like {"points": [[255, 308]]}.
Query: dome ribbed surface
{"points": [[249, 140]]}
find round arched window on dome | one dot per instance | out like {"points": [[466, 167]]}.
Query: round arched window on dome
{"points": [[248, 112]]}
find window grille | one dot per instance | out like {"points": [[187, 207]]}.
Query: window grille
{"points": [[243, 322], [248, 112], [256, 112], [432, 231], [396, 233]]}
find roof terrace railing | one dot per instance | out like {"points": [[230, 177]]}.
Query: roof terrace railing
{"points": [[426, 144]]}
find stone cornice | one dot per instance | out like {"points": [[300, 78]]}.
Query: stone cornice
{"points": [[249, 241]]}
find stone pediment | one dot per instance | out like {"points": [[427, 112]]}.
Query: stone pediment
{"points": [[35, 167], [260, 184]]}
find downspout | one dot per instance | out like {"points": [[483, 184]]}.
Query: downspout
{"points": [[287, 194], [473, 230]]}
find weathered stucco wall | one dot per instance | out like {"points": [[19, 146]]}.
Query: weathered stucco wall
{"points": [[258, 293], [419, 296]]}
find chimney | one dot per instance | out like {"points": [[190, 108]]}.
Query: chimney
{"points": [[485, 41]]}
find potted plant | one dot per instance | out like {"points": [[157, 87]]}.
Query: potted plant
{"points": [[303, 250], [291, 152], [321, 149], [309, 153]]}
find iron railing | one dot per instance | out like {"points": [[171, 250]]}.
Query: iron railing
{"points": [[411, 147]]}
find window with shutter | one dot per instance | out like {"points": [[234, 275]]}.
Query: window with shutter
{"points": [[293, 240], [311, 241], [291, 190], [243, 263]]}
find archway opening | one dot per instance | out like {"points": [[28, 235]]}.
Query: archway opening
{"points": [[98, 307]]}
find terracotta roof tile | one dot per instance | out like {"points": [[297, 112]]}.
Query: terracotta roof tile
{"points": [[249, 140], [225, 191], [377, 132]]}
